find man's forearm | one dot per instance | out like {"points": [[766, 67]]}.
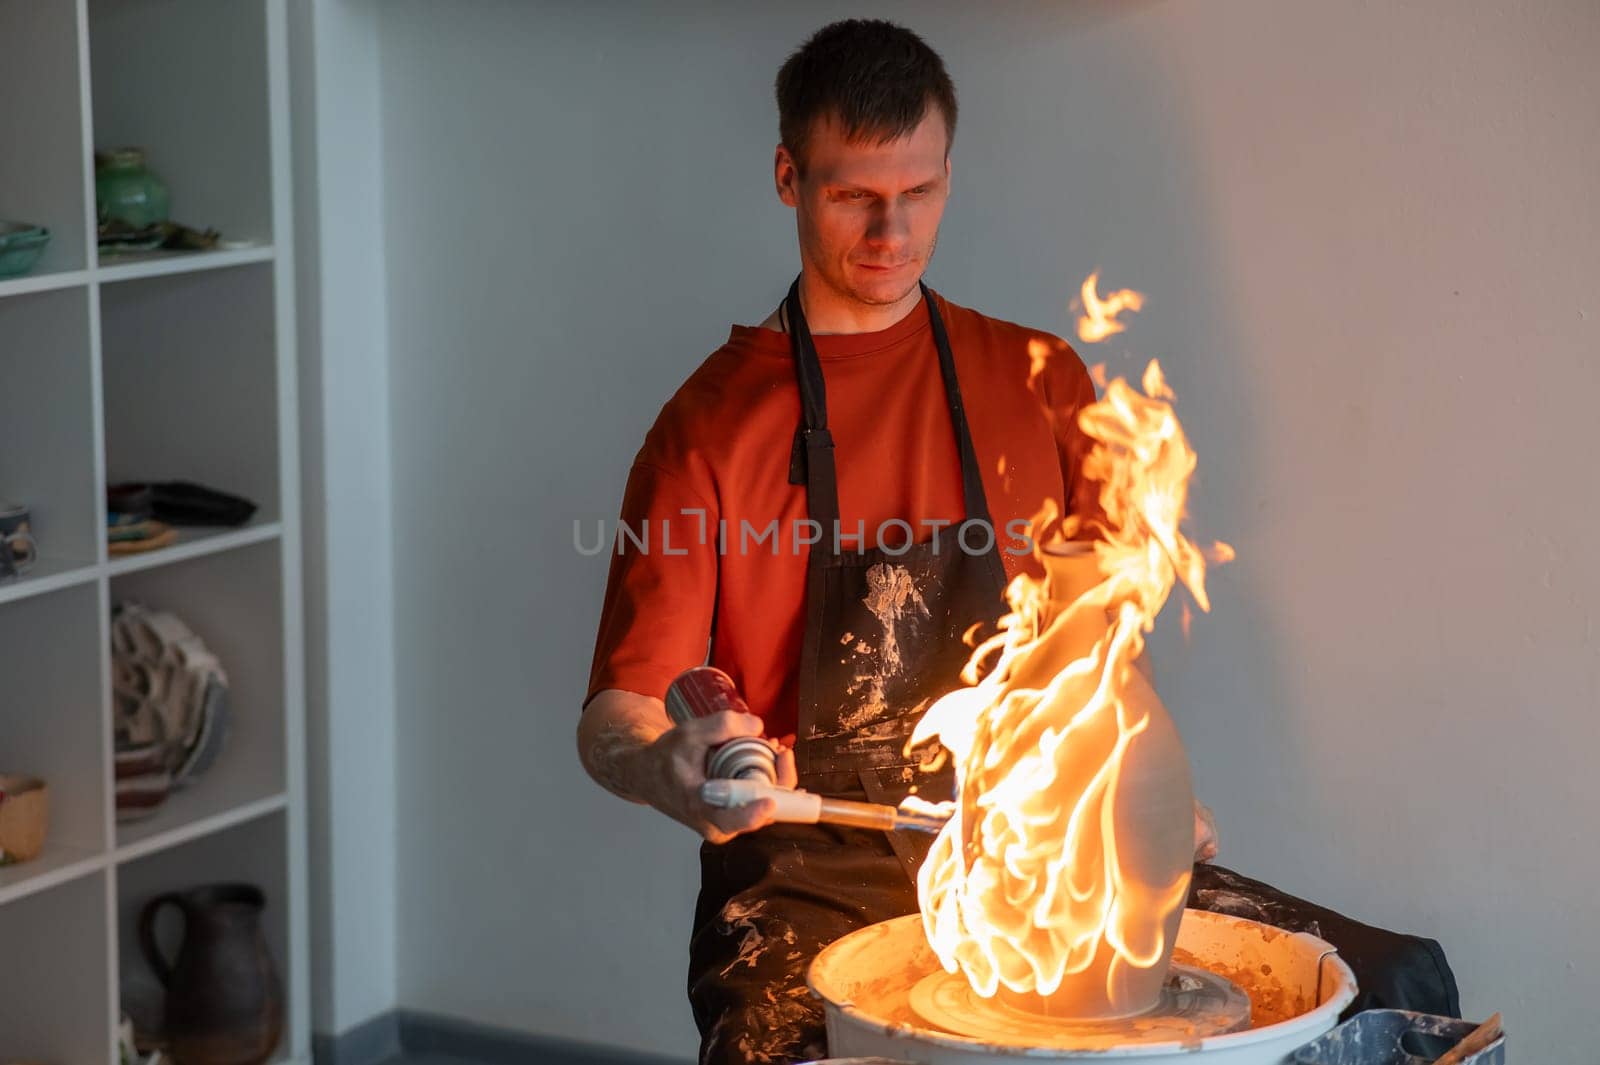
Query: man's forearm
{"points": [[614, 731]]}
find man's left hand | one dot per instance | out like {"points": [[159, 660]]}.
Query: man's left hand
{"points": [[1205, 833]]}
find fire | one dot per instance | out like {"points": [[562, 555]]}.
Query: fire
{"points": [[1100, 316], [1029, 882]]}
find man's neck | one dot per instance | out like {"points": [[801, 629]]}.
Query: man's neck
{"points": [[828, 312]]}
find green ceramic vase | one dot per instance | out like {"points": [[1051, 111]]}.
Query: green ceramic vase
{"points": [[126, 191]]}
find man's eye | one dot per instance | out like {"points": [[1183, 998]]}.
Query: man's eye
{"points": [[855, 197], [920, 190]]}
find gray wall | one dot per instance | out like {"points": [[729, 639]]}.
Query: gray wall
{"points": [[1370, 240]]}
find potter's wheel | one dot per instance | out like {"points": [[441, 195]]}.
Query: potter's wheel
{"points": [[1194, 1004], [1244, 994]]}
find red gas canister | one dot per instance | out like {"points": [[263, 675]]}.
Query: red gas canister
{"points": [[706, 690]]}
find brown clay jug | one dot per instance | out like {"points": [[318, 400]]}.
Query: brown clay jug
{"points": [[224, 1001]]}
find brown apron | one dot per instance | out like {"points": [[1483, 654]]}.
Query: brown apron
{"points": [[883, 639]]}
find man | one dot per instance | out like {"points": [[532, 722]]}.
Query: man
{"points": [[829, 503]]}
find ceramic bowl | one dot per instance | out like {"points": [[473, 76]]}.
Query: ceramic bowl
{"points": [[21, 245]]}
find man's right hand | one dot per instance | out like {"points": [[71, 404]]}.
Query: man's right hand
{"points": [[632, 749], [675, 765]]}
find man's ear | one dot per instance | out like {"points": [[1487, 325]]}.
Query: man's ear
{"points": [[785, 176]]}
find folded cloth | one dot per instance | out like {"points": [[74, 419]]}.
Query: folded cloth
{"points": [[135, 530], [175, 503], [147, 536], [186, 503], [127, 504]]}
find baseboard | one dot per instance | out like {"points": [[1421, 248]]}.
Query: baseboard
{"points": [[406, 1033], [369, 1043]]}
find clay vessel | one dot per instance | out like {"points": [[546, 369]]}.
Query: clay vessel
{"points": [[224, 1002], [24, 818], [1153, 811]]}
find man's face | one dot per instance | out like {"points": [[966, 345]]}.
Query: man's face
{"points": [[868, 214]]}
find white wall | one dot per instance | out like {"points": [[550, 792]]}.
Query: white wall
{"points": [[1370, 240], [345, 458]]}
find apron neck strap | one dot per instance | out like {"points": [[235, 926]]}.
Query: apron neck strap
{"points": [[977, 504], [808, 368], [811, 460]]}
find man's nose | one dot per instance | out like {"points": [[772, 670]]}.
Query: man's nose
{"points": [[889, 226]]}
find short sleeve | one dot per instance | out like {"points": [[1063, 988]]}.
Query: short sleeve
{"points": [[655, 620]]}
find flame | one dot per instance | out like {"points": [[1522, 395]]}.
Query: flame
{"points": [[1027, 883], [1039, 354], [1100, 316]]}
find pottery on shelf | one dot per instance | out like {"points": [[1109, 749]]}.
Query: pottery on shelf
{"points": [[21, 244], [224, 998], [125, 190], [24, 818]]}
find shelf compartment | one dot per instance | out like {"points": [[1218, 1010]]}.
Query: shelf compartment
{"points": [[232, 601], [59, 864], [136, 265], [187, 81], [37, 282], [47, 428], [205, 809], [53, 575], [196, 542], [46, 576], [42, 166], [54, 1005], [52, 719], [190, 379], [255, 852]]}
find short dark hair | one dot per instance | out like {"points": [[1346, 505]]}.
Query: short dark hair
{"points": [[878, 79]]}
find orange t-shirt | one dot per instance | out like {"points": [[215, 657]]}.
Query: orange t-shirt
{"points": [[697, 562]]}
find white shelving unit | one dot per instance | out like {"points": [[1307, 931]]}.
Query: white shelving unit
{"points": [[159, 366]]}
